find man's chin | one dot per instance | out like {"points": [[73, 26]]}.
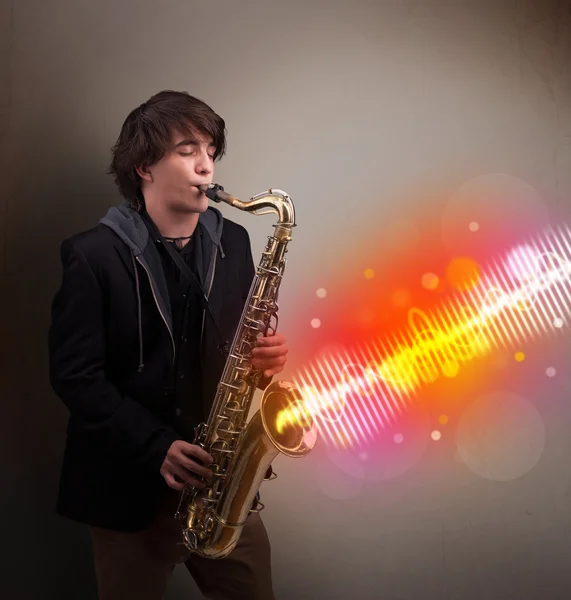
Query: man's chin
{"points": [[191, 205], [202, 202], [200, 199], [198, 203]]}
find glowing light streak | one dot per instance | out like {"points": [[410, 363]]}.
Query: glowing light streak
{"points": [[353, 395]]}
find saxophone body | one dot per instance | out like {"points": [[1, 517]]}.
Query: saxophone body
{"points": [[212, 517]]}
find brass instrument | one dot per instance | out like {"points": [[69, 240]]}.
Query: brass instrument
{"points": [[212, 517]]}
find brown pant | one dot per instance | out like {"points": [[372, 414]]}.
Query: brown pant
{"points": [[139, 565]]}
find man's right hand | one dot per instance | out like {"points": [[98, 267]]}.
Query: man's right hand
{"points": [[181, 463]]}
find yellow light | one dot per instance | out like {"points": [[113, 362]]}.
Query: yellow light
{"points": [[502, 311], [450, 369], [296, 414], [443, 419], [369, 273]]}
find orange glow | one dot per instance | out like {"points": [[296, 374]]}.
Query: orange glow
{"points": [[402, 298], [429, 281], [354, 394], [463, 273]]}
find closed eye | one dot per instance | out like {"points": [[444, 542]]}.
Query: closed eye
{"points": [[211, 156]]}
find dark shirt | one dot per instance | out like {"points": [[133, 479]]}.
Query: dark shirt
{"points": [[187, 315]]}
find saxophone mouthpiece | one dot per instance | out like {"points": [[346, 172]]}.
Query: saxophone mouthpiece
{"points": [[212, 191]]}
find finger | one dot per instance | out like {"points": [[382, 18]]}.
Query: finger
{"points": [[270, 369], [275, 340], [275, 369], [194, 467], [262, 336], [270, 351], [186, 477], [197, 452], [172, 483], [269, 363]]}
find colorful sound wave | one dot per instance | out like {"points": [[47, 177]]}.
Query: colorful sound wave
{"points": [[353, 395]]}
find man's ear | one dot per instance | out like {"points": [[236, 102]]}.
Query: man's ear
{"points": [[144, 172]]}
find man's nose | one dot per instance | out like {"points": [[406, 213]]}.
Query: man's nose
{"points": [[204, 165]]}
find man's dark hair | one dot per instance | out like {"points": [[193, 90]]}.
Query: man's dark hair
{"points": [[146, 133]]}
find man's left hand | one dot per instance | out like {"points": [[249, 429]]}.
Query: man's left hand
{"points": [[269, 354]]}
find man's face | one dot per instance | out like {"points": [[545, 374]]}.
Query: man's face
{"points": [[186, 164]]}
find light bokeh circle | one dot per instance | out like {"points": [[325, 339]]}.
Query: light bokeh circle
{"points": [[391, 452], [500, 436]]}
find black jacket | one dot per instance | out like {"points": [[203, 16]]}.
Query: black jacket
{"points": [[111, 353]]}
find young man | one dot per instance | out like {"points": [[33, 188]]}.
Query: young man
{"points": [[136, 355]]}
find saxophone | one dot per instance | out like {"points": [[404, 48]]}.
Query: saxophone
{"points": [[212, 518]]}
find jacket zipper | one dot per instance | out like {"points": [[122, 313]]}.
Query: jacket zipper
{"points": [[159, 308]]}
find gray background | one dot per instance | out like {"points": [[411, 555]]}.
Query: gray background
{"points": [[351, 107]]}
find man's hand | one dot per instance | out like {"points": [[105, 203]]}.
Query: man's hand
{"points": [[180, 464], [269, 354]]}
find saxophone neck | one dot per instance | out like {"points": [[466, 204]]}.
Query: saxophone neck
{"points": [[271, 201]]}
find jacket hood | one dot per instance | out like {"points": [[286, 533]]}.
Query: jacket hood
{"points": [[132, 230], [130, 227]]}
